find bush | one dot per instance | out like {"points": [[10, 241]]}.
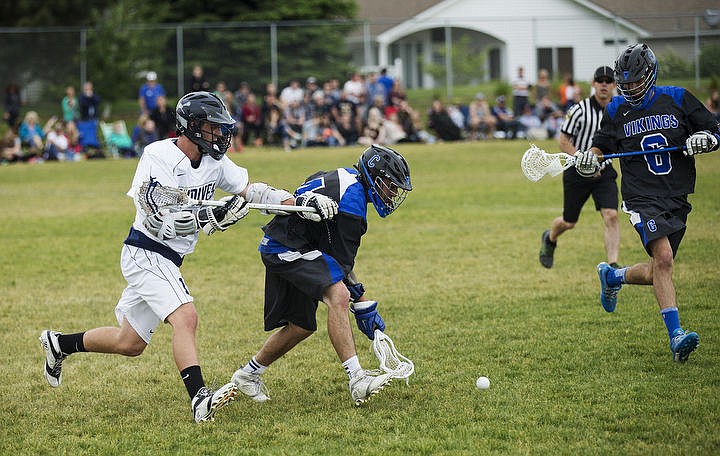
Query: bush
{"points": [[673, 66], [710, 61]]}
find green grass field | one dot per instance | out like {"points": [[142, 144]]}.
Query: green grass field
{"points": [[456, 273]]}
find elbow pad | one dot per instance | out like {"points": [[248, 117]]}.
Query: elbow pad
{"points": [[262, 193]]}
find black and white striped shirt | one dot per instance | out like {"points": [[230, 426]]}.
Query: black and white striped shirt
{"points": [[581, 122]]}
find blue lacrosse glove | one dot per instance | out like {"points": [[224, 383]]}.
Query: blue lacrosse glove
{"points": [[367, 317]]}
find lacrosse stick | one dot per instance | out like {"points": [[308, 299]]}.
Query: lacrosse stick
{"points": [[391, 361], [152, 197], [536, 163]]}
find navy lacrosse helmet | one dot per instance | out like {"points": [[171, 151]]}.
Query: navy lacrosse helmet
{"points": [[635, 74], [197, 108], [386, 177]]}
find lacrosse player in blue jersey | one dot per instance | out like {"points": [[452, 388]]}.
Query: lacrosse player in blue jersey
{"points": [[308, 262], [655, 186], [157, 243]]}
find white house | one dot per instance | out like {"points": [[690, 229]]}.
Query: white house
{"points": [[563, 36]]}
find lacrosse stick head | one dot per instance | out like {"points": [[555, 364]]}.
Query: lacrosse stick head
{"points": [[151, 197], [391, 361], [536, 163]]}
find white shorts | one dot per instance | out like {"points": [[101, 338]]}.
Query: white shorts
{"points": [[155, 290]]}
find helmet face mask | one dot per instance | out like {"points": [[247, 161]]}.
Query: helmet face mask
{"points": [[635, 74], [386, 177], [203, 118]]}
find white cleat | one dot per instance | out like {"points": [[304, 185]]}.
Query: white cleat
{"points": [[363, 385], [250, 385], [206, 402], [53, 357]]}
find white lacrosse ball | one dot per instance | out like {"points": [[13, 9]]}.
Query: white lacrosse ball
{"points": [[482, 383]]}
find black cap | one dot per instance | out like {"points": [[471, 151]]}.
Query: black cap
{"points": [[604, 72]]}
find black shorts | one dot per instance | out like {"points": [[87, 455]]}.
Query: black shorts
{"points": [[655, 218], [576, 192], [293, 287]]}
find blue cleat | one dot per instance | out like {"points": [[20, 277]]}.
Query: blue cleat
{"points": [[682, 344], [608, 294]]}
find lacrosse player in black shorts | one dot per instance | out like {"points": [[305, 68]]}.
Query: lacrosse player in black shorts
{"points": [[581, 123], [308, 262], [655, 186]]}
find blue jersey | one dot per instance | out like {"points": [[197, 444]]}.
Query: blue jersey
{"points": [[668, 119], [339, 237]]}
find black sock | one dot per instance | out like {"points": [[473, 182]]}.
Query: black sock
{"points": [[71, 343], [193, 379]]}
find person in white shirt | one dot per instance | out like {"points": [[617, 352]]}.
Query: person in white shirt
{"points": [[157, 244]]}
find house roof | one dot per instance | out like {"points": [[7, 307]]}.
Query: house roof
{"points": [[658, 17]]}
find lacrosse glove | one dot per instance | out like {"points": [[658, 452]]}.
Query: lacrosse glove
{"points": [[213, 218], [166, 224], [325, 207], [367, 317], [701, 142], [587, 164]]}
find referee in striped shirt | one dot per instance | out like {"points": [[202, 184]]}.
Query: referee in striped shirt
{"points": [[581, 123]]}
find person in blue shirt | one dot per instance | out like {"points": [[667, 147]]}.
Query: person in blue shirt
{"points": [[149, 93]]}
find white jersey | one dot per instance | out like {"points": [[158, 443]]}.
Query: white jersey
{"points": [[167, 164]]}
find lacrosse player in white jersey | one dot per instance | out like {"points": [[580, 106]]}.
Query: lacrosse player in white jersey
{"points": [[158, 241]]}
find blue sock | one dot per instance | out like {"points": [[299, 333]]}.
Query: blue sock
{"points": [[616, 277], [671, 319]]}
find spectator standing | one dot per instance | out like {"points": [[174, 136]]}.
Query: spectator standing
{"points": [[388, 83], [12, 105], [354, 88], [149, 93], [70, 105], [89, 103], [198, 82], [520, 91], [292, 92], [542, 87]]}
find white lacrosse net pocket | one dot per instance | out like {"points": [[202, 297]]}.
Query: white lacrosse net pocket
{"points": [[151, 196], [391, 361], [536, 163]]}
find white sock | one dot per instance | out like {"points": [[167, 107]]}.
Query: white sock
{"points": [[254, 367], [351, 365]]}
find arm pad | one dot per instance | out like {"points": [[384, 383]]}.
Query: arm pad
{"points": [[260, 192]]}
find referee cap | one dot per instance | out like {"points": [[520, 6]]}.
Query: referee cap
{"points": [[604, 72]]}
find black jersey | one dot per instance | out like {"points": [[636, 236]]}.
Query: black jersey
{"points": [[339, 237], [667, 120]]}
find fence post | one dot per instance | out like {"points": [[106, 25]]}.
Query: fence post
{"points": [[180, 60]]}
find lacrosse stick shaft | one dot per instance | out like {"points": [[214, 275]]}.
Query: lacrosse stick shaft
{"points": [[639, 152], [257, 206]]}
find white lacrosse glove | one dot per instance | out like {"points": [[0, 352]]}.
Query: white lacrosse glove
{"points": [[701, 142], [165, 224], [211, 219], [587, 164], [325, 207]]}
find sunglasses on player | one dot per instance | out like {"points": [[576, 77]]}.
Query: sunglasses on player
{"points": [[604, 80]]}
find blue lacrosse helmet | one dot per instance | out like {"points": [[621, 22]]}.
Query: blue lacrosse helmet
{"points": [[385, 175], [635, 74]]}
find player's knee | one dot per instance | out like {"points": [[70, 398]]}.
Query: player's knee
{"points": [[663, 260], [131, 348]]}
